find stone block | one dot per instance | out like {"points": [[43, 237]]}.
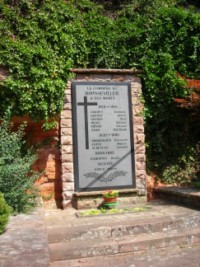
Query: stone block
{"points": [[67, 106], [139, 138], [101, 77], [67, 167], [142, 198], [135, 81], [67, 158], [69, 85], [66, 203], [139, 129], [140, 158], [67, 195], [68, 93], [135, 100], [66, 131], [138, 109], [139, 149], [68, 98], [140, 165], [135, 91], [138, 120], [66, 114], [140, 174], [83, 77], [141, 183], [67, 149], [66, 140], [118, 78], [66, 123], [88, 203], [68, 186], [67, 177]]}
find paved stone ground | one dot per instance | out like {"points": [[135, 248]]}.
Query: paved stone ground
{"points": [[24, 243], [176, 258]]}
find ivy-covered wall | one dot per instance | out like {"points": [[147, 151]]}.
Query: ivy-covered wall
{"points": [[41, 40]]}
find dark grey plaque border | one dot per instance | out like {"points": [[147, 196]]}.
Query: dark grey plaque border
{"points": [[75, 137]]}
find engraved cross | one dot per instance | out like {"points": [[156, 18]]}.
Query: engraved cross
{"points": [[86, 104]]}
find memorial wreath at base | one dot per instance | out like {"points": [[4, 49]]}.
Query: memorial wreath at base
{"points": [[110, 198]]}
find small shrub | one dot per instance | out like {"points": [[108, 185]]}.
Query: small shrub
{"points": [[186, 170], [16, 177], [5, 211]]}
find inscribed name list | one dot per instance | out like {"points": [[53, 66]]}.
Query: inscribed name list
{"points": [[103, 141]]}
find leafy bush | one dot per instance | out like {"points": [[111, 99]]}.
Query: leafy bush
{"points": [[16, 177], [5, 211], [186, 170]]}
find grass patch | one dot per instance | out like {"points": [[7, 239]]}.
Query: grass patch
{"points": [[104, 211]]}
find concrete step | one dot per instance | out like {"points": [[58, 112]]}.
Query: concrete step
{"points": [[175, 258], [135, 244], [114, 229]]}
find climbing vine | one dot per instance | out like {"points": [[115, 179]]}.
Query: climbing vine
{"points": [[41, 41]]}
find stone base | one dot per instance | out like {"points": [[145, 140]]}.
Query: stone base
{"points": [[180, 195], [91, 200]]}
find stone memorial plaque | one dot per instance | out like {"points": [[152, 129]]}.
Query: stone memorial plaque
{"points": [[102, 136]]}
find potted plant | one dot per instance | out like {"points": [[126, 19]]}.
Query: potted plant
{"points": [[110, 197]]}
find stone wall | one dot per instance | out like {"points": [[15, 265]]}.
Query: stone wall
{"points": [[67, 171]]}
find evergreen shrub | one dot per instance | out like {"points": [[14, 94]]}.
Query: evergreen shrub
{"points": [[16, 177]]}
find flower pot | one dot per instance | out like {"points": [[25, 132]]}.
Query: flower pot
{"points": [[110, 199], [110, 203]]}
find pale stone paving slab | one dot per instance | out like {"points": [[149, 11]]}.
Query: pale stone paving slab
{"points": [[24, 243]]}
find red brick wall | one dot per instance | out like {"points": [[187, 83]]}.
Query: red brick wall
{"points": [[192, 101], [47, 144]]}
